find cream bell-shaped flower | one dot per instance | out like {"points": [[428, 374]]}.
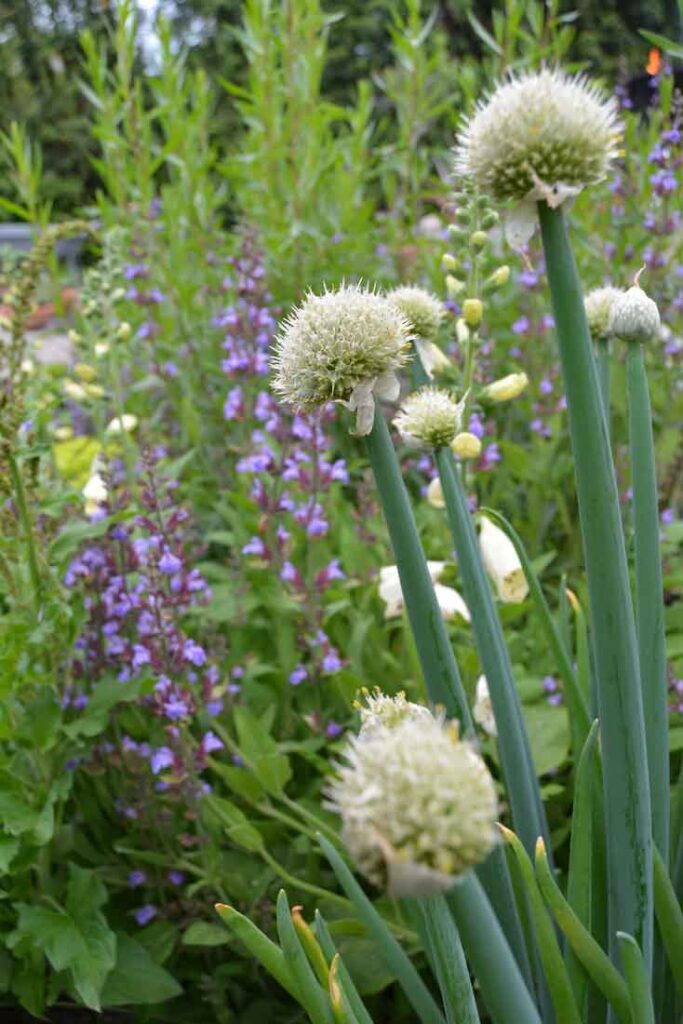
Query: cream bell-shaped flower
{"points": [[634, 316], [598, 305], [505, 389], [342, 346], [482, 709], [95, 491], [123, 424], [429, 418], [541, 135], [502, 563], [417, 804], [377, 711], [435, 494], [449, 600]]}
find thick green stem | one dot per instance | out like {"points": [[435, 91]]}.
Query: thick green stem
{"points": [[649, 604], [602, 360], [626, 782], [502, 986], [27, 529], [439, 666], [521, 785]]}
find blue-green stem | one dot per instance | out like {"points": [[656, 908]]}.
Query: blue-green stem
{"points": [[522, 789], [502, 987], [649, 603], [441, 942], [602, 361], [625, 774]]}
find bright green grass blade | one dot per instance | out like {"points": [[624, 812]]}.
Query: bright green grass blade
{"points": [[408, 978], [559, 984], [260, 947], [513, 745], [329, 949], [439, 667], [649, 590], [577, 706], [596, 962], [444, 950], [502, 986], [625, 773], [669, 920], [637, 979], [312, 997]]}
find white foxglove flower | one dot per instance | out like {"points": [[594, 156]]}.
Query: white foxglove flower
{"points": [[418, 806], [482, 711], [449, 600], [502, 563], [123, 424], [429, 418], [377, 712], [540, 136], [342, 346], [598, 305], [95, 491], [634, 316]]}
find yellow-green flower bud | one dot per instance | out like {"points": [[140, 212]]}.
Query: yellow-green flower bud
{"points": [[85, 372], [472, 312], [453, 285], [499, 277], [634, 316], [466, 445], [124, 331], [449, 262], [489, 220], [505, 389], [478, 239]]}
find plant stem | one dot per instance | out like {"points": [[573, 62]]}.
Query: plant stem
{"points": [[649, 604], [602, 360], [439, 666], [27, 528], [626, 783]]}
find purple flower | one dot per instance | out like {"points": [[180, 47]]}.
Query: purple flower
{"points": [[333, 729], [137, 878], [176, 877], [193, 653], [332, 662], [143, 915], [169, 563], [176, 708], [667, 516], [299, 675], [161, 758], [255, 547], [521, 326], [211, 742]]}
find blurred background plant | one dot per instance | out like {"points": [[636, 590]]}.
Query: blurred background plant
{"points": [[182, 649]]}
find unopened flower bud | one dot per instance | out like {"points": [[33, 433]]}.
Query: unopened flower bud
{"points": [[454, 285], [435, 494], [505, 389], [462, 331], [85, 372], [448, 261], [124, 331], [466, 445], [499, 277], [423, 311], [429, 418], [478, 239], [456, 232], [634, 316], [472, 311], [489, 220], [598, 305]]}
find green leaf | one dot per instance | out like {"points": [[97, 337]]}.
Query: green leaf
{"points": [[548, 731], [261, 752], [312, 997], [235, 822], [202, 933], [8, 850], [668, 46], [135, 978], [669, 920], [260, 947], [637, 979]]}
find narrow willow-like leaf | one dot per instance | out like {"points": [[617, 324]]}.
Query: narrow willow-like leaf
{"points": [[312, 997], [649, 594], [329, 949], [669, 920], [625, 773], [388, 948], [260, 946], [577, 706], [637, 979], [559, 984], [594, 959], [445, 953], [513, 745], [502, 986], [439, 667]]}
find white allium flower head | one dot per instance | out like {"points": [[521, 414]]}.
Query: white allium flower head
{"points": [[634, 316], [418, 806], [342, 346], [423, 311], [429, 418], [598, 304], [540, 135], [377, 712]]}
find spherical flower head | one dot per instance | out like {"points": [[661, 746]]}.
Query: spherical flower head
{"points": [[342, 346], [429, 418], [378, 711], [466, 445], [423, 311], [598, 305], [418, 806], [634, 316], [543, 126]]}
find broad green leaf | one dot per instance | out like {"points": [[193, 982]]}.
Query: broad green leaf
{"points": [[261, 752], [202, 933], [135, 978]]}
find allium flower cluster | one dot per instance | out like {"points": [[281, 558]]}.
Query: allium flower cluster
{"points": [[598, 304], [429, 418], [418, 805]]}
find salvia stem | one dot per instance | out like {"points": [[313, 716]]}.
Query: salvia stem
{"points": [[649, 603], [625, 773], [502, 986]]}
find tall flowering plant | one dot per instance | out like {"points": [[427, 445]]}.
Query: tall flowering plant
{"points": [[417, 802]]}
